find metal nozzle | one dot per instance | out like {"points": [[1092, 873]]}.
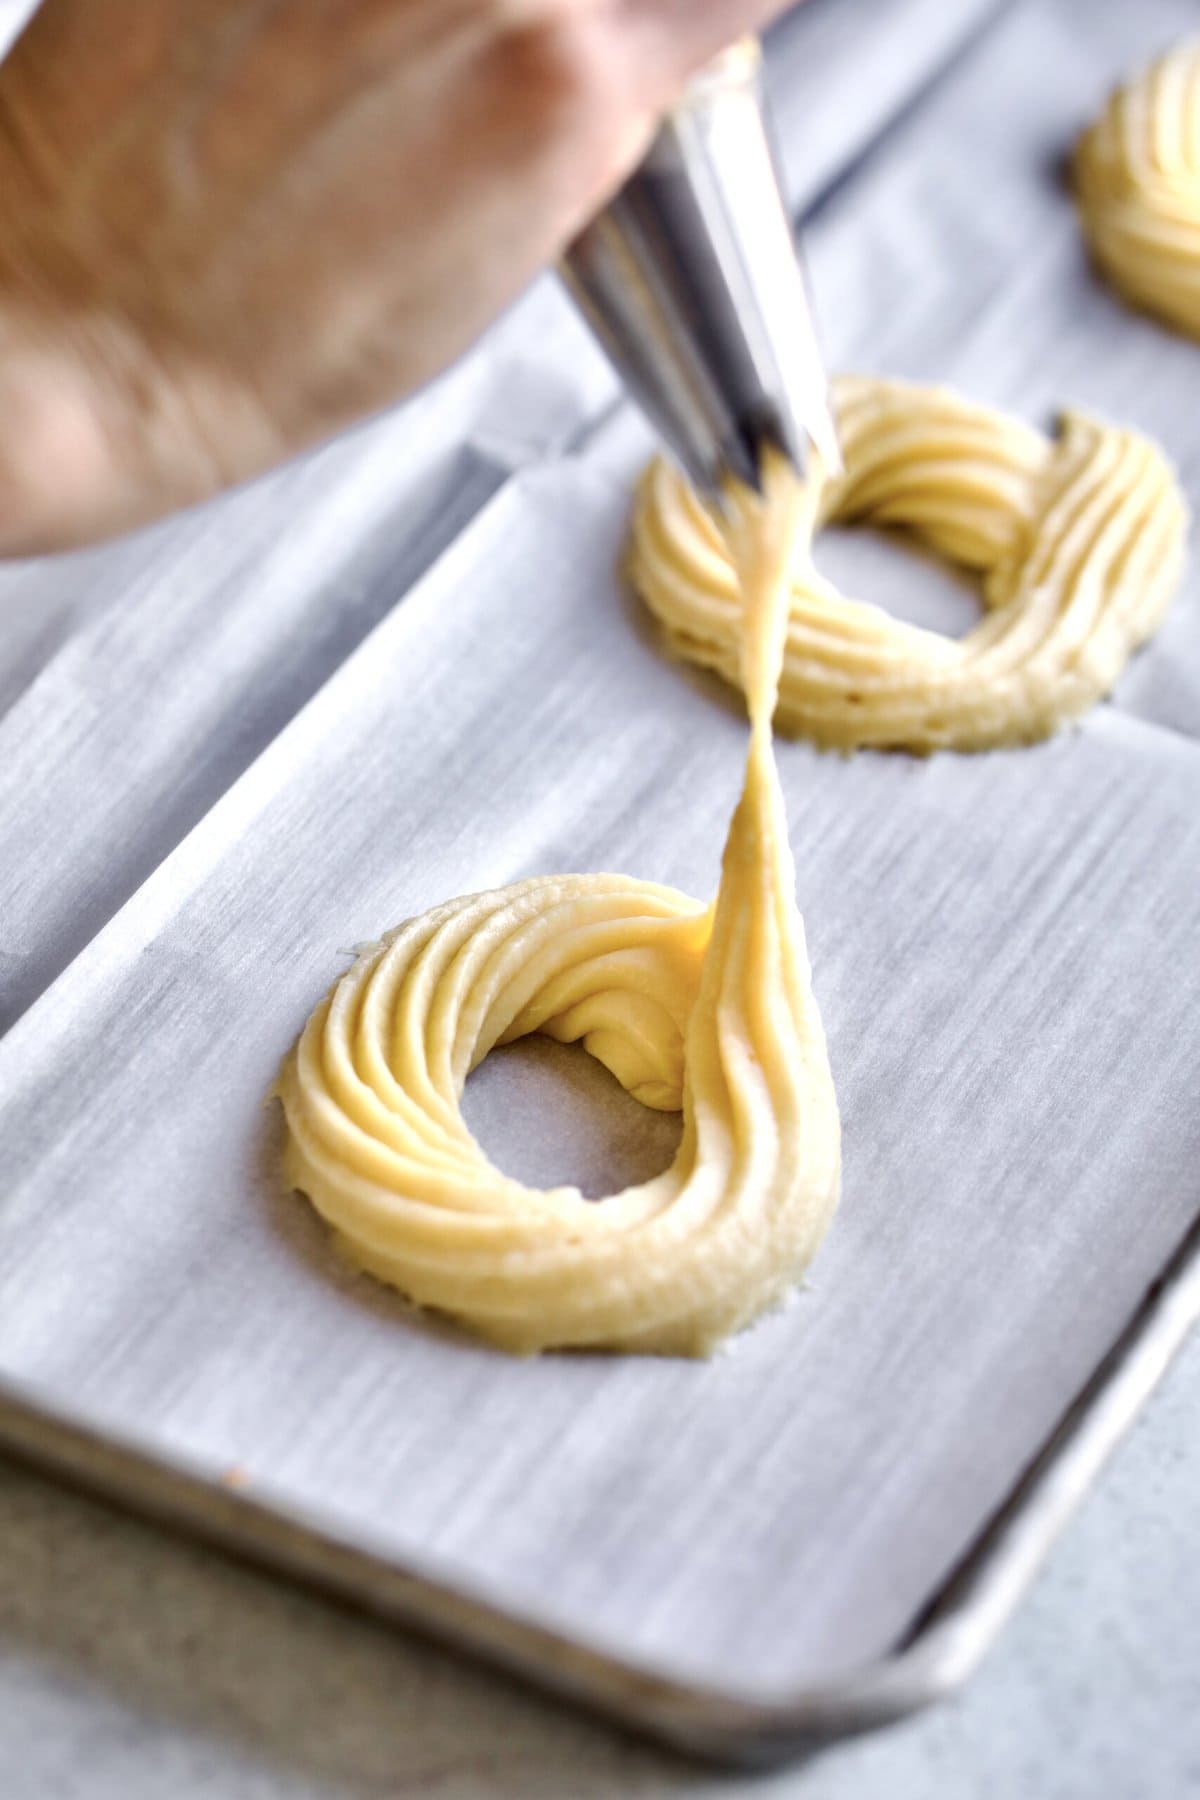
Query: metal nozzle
{"points": [[690, 279]]}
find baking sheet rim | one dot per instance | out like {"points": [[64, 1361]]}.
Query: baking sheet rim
{"points": [[941, 1651]]}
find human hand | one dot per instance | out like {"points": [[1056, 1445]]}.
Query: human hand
{"points": [[232, 227]]}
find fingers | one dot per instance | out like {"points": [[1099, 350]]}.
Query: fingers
{"points": [[683, 34]]}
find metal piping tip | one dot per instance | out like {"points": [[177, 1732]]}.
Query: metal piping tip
{"points": [[691, 281]]}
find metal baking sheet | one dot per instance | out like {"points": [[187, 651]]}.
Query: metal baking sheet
{"points": [[1004, 950], [1006, 971]]}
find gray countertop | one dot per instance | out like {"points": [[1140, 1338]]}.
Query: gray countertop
{"points": [[132, 1664]]}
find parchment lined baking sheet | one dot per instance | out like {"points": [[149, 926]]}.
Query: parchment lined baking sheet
{"points": [[1004, 955], [1005, 951]]}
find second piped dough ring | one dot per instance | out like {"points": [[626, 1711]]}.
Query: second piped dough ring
{"points": [[1137, 181], [1078, 540]]}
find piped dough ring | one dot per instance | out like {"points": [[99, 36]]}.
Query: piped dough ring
{"points": [[377, 1139], [1078, 541], [1137, 181]]}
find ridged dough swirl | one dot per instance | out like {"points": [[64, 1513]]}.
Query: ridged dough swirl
{"points": [[1137, 178], [705, 1007], [1079, 541]]}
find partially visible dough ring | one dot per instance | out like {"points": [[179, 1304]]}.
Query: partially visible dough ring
{"points": [[1137, 178], [1079, 542], [708, 1008]]}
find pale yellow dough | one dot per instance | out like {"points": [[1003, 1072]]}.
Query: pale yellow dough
{"points": [[708, 1008], [1137, 176], [1078, 540]]}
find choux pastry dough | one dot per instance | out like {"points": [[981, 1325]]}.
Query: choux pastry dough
{"points": [[1137, 180]]}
